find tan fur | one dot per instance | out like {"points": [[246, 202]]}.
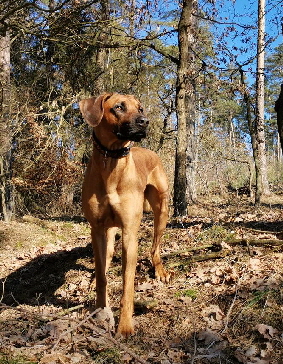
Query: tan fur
{"points": [[113, 195]]}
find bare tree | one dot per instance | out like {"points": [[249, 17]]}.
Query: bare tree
{"points": [[184, 178], [6, 186], [279, 110], [262, 186]]}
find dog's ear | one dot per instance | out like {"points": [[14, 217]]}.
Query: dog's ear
{"points": [[92, 109]]}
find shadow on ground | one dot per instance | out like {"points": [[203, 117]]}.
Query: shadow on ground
{"points": [[36, 282]]}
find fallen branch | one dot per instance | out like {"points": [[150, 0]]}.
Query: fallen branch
{"points": [[86, 322], [256, 242], [258, 231], [194, 249], [199, 258], [217, 255], [70, 309], [42, 316]]}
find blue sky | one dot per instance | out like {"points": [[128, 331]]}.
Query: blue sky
{"points": [[238, 18], [242, 16]]}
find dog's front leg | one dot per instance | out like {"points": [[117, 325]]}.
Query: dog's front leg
{"points": [[129, 262], [103, 247]]}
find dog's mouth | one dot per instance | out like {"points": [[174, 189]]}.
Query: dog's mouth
{"points": [[128, 131]]}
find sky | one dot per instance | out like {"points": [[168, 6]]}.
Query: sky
{"points": [[236, 18], [242, 16]]}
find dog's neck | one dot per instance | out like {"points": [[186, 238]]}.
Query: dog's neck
{"points": [[110, 153]]}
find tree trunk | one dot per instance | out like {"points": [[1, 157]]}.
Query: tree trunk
{"points": [[7, 205], [101, 51], [279, 110], [250, 120], [184, 178], [262, 186]]}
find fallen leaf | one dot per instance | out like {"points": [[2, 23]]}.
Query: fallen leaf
{"points": [[251, 352], [104, 316], [209, 336], [255, 263], [54, 358], [146, 286], [213, 316], [126, 358], [267, 331]]}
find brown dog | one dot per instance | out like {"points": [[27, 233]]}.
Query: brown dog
{"points": [[118, 179]]}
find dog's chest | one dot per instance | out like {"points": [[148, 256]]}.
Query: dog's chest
{"points": [[110, 190]]}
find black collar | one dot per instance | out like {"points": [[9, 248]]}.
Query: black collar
{"points": [[112, 153]]}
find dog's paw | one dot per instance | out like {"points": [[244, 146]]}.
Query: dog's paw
{"points": [[161, 274], [125, 330]]}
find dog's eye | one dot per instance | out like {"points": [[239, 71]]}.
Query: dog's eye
{"points": [[119, 108], [141, 110]]}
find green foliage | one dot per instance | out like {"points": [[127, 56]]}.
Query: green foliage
{"points": [[188, 293], [107, 356], [216, 234], [7, 359], [259, 297]]}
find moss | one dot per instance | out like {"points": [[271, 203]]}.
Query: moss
{"points": [[187, 293], [107, 356], [6, 359]]}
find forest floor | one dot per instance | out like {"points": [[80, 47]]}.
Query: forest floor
{"points": [[223, 305]]}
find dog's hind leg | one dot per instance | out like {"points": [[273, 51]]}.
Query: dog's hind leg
{"points": [[159, 204]]}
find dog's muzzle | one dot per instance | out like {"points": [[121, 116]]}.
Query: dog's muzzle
{"points": [[134, 130]]}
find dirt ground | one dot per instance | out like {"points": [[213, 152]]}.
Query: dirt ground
{"points": [[223, 305]]}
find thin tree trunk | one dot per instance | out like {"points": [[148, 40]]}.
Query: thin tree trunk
{"points": [[101, 52], [184, 178], [250, 121], [279, 110], [7, 205], [262, 186]]}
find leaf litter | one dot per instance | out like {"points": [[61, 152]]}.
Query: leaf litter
{"points": [[222, 308]]}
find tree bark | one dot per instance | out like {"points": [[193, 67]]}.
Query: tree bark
{"points": [[7, 205], [101, 51], [184, 178], [262, 185], [279, 110]]}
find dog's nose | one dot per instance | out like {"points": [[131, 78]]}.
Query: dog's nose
{"points": [[142, 121]]}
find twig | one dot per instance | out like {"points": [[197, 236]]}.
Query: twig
{"points": [[85, 323], [100, 332], [196, 248], [258, 231], [195, 349], [71, 330], [45, 317], [229, 311], [199, 258], [71, 309], [217, 255], [3, 289], [17, 302], [256, 242]]}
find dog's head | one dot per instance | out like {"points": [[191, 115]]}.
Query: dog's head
{"points": [[120, 114]]}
